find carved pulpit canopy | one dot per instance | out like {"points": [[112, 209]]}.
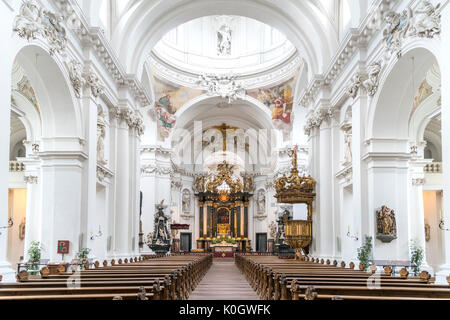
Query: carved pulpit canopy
{"points": [[295, 189]]}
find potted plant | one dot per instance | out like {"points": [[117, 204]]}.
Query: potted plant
{"points": [[416, 256], [364, 252], [34, 251], [83, 255]]}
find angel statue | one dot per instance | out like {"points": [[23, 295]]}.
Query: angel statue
{"points": [[426, 20]]}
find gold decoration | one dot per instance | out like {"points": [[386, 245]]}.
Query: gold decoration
{"points": [[295, 189], [224, 175], [223, 130], [298, 233]]}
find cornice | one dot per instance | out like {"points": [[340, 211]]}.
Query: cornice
{"points": [[94, 37]]}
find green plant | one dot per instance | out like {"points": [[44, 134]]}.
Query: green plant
{"points": [[34, 251], [416, 256], [364, 252], [83, 253]]}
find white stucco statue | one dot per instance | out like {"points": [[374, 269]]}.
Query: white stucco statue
{"points": [[261, 201], [186, 201], [426, 20], [224, 40], [101, 134]]}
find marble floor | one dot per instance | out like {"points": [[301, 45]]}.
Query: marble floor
{"points": [[223, 281]]}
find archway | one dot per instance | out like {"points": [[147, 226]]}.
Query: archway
{"points": [[395, 147]]}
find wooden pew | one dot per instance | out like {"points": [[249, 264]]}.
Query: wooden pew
{"points": [[163, 277], [273, 278]]}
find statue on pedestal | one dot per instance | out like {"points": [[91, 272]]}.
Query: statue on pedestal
{"points": [[161, 236]]}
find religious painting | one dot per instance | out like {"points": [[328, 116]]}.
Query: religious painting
{"points": [[25, 88], [279, 100], [223, 216], [22, 229], [169, 99], [424, 91], [63, 246]]}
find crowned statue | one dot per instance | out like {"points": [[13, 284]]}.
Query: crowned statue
{"points": [[161, 236]]}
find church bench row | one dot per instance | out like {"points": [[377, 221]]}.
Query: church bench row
{"points": [[273, 278], [174, 278]]}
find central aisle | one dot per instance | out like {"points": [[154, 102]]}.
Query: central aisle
{"points": [[223, 281]]}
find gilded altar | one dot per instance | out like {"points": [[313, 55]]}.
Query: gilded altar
{"points": [[223, 204]]}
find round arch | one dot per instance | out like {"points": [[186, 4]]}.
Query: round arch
{"points": [[389, 111], [60, 114], [147, 22]]}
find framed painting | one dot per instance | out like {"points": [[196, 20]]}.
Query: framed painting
{"points": [[63, 246]]}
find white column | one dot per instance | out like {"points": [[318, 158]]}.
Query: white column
{"points": [[5, 98], [325, 184], [362, 214], [314, 157], [133, 231], [417, 213], [445, 121], [89, 190], [122, 188], [34, 194]]}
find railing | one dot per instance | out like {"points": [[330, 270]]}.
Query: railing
{"points": [[434, 167], [16, 166]]}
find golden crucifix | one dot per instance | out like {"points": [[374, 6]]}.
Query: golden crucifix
{"points": [[223, 129]]}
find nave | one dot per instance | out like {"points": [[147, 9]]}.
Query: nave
{"points": [[224, 281]]}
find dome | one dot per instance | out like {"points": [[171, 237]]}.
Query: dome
{"points": [[224, 44]]}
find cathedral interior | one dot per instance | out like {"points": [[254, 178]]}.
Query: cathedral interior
{"points": [[285, 143]]}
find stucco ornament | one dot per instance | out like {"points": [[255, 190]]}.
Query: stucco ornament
{"points": [[93, 82], [76, 77], [354, 85], [28, 23], [34, 22], [371, 84], [426, 20]]}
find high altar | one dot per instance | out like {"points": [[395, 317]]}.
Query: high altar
{"points": [[223, 220]]}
